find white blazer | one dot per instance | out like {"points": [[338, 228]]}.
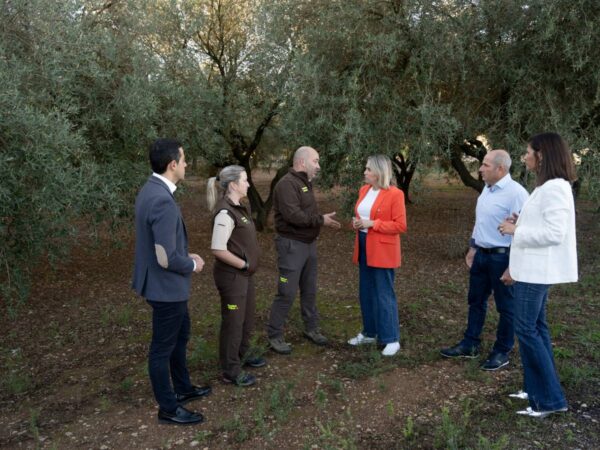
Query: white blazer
{"points": [[544, 249]]}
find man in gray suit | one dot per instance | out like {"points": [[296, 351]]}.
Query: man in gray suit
{"points": [[161, 275]]}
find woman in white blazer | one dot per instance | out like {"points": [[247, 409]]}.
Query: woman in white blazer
{"points": [[543, 252]]}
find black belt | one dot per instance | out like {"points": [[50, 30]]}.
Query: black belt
{"points": [[494, 250]]}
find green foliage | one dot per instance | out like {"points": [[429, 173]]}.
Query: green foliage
{"points": [[367, 362], [85, 85]]}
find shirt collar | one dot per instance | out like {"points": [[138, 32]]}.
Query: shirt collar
{"points": [[501, 183], [168, 182]]}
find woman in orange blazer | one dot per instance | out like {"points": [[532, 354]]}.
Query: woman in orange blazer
{"points": [[380, 217]]}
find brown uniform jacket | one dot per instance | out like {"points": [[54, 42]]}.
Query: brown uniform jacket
{"points": [[296, 214]]}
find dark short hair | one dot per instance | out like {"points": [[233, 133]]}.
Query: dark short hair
{"points": [[556, 161], [162, 152]]}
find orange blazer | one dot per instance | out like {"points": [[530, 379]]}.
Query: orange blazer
{"points": [[389, 220]]}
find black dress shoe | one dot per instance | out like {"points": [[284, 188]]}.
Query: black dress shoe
{"points": [[244, 379], [197, 392], [460, 351], [181, 416], [256, 362], [495, 361]]}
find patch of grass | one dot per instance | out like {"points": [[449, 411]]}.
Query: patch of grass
{"points": [[408, 431], [449, 434], [126, 384], [124, 315], [576, 375], [367, 363], [105, 316], [333, 436], [472, 371], [203, 436], [336, 385], [105, 403], [320, 397], [281, 400], [237, 428], [563, 353], [203, 357], [389, 407], [15, 378]]}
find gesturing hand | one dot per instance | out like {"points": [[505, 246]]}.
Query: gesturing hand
{"points": [[329, 221]]}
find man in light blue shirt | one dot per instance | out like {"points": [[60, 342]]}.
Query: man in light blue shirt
{"points": [[487, 260]]}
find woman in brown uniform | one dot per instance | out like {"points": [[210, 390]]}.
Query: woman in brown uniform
{"points": [[235, 247]]}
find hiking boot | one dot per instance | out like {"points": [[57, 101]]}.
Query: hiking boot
{"points": [[280, 346], [316, 337], [255, 362], [243, 379]]}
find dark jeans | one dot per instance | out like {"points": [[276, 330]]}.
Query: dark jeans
{"points": [[378, 302], [484, 278], [297, 262], [539, 372], [237, 319], [167, 356]]}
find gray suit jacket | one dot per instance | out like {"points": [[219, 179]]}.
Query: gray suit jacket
{"points": [[158, 222]]}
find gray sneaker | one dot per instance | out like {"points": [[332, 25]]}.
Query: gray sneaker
{"points": [[280, 346], [316, 337]]}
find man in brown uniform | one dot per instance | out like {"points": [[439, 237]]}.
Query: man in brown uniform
{"points": [[298, 223]]}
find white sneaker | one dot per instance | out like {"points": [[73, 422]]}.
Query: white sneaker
{"points": [[521, 395], [361, 339], [391, 349], [539, 414]]}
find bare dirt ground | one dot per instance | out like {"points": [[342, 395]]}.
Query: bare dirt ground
{"points": [[79, 348]]}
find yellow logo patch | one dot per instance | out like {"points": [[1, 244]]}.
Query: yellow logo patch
{"points": [[232, 307], [283, 279], [305, 189]]}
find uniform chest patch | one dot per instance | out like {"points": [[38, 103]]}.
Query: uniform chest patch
{"points": [[304, 189]]}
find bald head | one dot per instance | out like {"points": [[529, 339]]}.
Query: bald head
{"points": [[501, 158], [495, 166], [306, 159]]}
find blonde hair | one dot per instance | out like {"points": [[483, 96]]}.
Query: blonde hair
{"points": [[381, 166], [221, 182]]}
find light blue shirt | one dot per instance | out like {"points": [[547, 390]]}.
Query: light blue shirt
{"points": [[495, 204]]}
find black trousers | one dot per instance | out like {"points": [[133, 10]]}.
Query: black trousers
{"points": [[238, 305], [167, 355]]}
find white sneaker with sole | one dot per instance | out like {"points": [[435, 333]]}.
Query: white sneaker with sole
{"points": [[539, 414], [361, 339], [391, 349], [521, 395]]}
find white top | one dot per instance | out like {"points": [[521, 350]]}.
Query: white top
{"points": [[364, 207], [544, 248], [222, 230]]}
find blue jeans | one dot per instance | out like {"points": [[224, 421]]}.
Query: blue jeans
{"points": [[378, 302], [167, 355], [540, 379], [484, 278]]}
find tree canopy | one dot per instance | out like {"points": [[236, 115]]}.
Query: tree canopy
{"points": [[85, 85]]}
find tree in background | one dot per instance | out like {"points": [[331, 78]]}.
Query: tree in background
{"points": [[86, 84], [433, 80], [74, 109]]}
